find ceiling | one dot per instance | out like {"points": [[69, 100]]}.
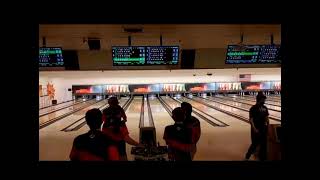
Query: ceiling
{"points": [[188, 36]]}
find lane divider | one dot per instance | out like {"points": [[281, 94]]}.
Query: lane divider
{"points": [[271, 109], [56, 104], [64, 108], [141, 122], [223, 123], [51, 121], [125, 106], [240, 108], [224, 111], [255, 101], [201, 116], [151, 122]]}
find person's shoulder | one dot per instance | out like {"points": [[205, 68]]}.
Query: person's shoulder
{"points": [[169, 127], [80, 139], [264, 106], [253, 107], [194, 119]]}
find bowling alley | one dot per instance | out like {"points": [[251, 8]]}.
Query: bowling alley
{"points": [[160, 92]]}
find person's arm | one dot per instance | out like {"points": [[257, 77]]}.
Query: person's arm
{"points": [[267, 118], [126, 137], [131, 141], [73, 154], [108, 132], [175, 144], [124, 116], [179, 146], [252, 125], [251, 121], [196, 132]]}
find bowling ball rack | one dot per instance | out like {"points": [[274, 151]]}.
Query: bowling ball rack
{"points": [[150, 153]]}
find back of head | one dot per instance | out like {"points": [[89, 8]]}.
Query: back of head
{"points": [[187, 108], [112, 101], [94, 118], [260, 97], [113, 115], [178, 114]]}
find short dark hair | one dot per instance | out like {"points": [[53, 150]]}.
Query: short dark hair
{"points": [[94, 118], [113, 101], [260, 96], [178, 114], [187, 107]]}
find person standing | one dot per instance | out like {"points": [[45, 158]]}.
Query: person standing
{"points": [[93, 145], [116, 130], [259, 120], [178, 138], [192, 123]]}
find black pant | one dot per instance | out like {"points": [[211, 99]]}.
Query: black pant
{"points": [[257, 139]]}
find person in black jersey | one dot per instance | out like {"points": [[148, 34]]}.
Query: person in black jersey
{"points": [[93, 145], [192, 123], [178, 137], [259, 121]]}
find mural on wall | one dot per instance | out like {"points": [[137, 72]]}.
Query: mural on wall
{"points": [[40, 90], [50, 91]]}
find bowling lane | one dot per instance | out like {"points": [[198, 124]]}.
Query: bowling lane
{"points": [[254, 100], [133, 116], [53, 115], [268, 98], [54, 144], [58, 106], [248, 102], [219, 144], [161, 118], [245, 106], [122, 101], [220, 115], [228, 108]]}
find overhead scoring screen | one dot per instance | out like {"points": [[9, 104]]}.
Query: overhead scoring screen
{"points": [[162, 55], [131, 55], [253, 54], [145, 55], [50, 57]]}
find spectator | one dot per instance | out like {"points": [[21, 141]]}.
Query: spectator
{"points": [[93, 145], [117, 130], [193, 124], [178, 138]]}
